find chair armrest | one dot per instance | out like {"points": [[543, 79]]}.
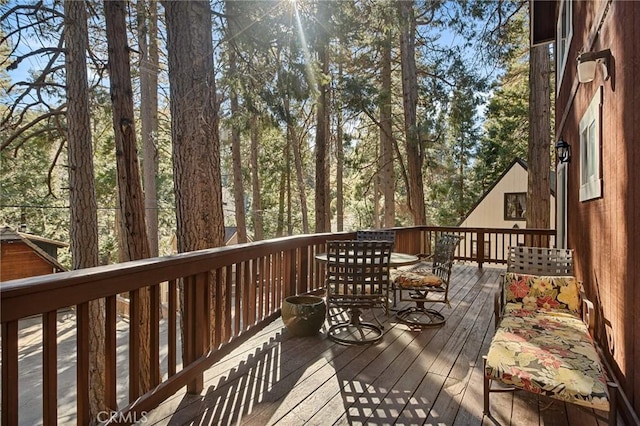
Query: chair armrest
{"points": [[498, 309], [498, 301], [588, 315]]}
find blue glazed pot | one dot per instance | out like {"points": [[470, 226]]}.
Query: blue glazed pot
{"points": [[303, 315]]}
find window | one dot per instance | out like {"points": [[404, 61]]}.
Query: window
{"points": [[590, 179], [564, 32], [515, 205]]}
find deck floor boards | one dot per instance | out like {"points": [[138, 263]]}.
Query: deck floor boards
{"points": [[411, 377]]}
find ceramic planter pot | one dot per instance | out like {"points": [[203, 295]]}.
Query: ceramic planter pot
{"points": [[303, 315]]}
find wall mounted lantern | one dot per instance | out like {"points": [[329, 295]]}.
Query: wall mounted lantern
{"points": [[563, 151], [587, 64]]}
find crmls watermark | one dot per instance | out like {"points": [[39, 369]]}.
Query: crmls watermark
{"points": [[118, 417]]}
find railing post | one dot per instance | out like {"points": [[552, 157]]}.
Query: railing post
{"points": [[480, 248], [196, 324], [289, 273]]}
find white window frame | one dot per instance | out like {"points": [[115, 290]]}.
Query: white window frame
{"points": [[590, 149], [564, 34]]}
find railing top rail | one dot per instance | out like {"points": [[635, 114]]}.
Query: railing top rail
{"points": [[28, 296], [458, 229]]}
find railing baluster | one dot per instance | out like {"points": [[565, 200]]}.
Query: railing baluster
{"points": [[220, 301], [134, 345], [270, 283], [228, 325], [172, 327], [82, 367], [303, 277], [277, 277], [239, 314], [50, 368], [154, 319], [194, 318], [259, 283], [248, 293], [250, 283], [203, 313], [480, 248], [10, 373], [288, 273], [110, 345]]}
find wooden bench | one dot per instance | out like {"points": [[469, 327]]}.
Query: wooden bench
{"points": [[543, 341]]}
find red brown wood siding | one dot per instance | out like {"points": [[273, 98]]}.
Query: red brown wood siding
{"points": [[20, 261], [605, 232]]}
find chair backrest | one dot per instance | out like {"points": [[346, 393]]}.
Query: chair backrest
{"points": [[357, 269], [540, 261], [377, 235], [443, 255]]}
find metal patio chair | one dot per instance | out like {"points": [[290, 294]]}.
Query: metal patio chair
{"points": [[377, 235], [357, 277], [424, 283]]}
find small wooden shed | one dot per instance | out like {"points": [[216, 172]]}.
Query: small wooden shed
{"points": [[25, 255]]}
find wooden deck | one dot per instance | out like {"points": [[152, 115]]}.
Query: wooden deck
{"points": [[432, 377]]}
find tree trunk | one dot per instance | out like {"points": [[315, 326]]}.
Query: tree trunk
{"points": [[292, 137], [322, 208], [82, 194], [289, 198], [376, 198], [148, 46], [388, 181], [236, 156], [413, 142], [194, 126], [258, 226], [281, 195], [130, 196], [339, 165], [196, 140], [539, 157]]}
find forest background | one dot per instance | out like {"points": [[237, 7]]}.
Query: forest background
{"points": [[312, 100]]}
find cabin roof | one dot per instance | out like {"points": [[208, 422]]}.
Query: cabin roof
{"points": [[9, 236], [517, 160]]}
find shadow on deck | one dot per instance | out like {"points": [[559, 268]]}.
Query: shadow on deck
{"points": [[433, 376]]}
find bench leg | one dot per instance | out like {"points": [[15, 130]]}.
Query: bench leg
{"points": [[613, 403], [487, 386]]}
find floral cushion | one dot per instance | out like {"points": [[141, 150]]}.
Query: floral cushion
{"points": [[411, 279], [542, 292], [550, 353]]}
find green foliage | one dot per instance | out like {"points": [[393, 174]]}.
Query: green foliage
{"points": [[275, 75], [506, 128], [33, 193]]}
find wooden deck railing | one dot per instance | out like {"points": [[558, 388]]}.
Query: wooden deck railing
{"points": [[478, 245], [230, 293]]}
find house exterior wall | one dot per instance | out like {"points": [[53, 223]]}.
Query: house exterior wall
{"points": [[490, 212], [605, 232], [17, 260]]}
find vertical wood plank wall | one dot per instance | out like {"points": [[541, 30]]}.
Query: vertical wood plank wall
{"points": [[605, 232]]}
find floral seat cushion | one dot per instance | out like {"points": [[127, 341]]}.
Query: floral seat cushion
{"points": [[415, 279], [548, 352], [542, 292]]}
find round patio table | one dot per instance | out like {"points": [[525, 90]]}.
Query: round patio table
{"points": [[396, 259]]}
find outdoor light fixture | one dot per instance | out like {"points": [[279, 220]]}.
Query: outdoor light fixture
{"points": [[587, 64], [563, 151]]}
